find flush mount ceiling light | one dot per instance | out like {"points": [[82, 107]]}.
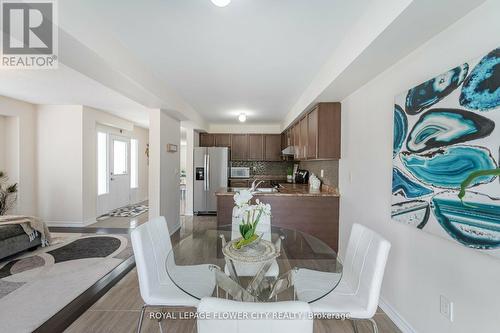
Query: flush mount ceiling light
{"points": [[221, 3], [242, 117]]}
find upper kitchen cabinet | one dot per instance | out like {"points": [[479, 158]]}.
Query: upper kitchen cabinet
{"points": [[239, 147], [296, 141], [312, 134], [323, 137], [328, 131], [316, 136], [303, 138], [222, 140], [207, 140], [272, 147], [255, 147], [286, 140]]}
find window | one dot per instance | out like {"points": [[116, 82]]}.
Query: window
{"points": [[102, 163], [119, 157], [134, 163]]}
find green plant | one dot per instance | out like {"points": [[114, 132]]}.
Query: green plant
{"points": [[473, 175], [8, 193], [289, 171], [250, 216]]}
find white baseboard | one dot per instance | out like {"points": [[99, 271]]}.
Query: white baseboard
{"points": [[396, 318]]}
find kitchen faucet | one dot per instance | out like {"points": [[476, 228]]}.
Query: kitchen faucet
{"points": [[254, 186]]}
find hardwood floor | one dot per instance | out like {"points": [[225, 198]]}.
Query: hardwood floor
{"points": [[118, 310]]}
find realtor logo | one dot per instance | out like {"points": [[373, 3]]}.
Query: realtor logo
{"points": [[29, 34]]}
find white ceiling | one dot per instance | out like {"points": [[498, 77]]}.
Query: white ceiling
{"points": [[66, 86], [255, 56], [203, 64]]}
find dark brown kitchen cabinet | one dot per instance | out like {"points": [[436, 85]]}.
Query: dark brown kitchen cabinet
{"points": [[296, 141], [328, 131], [239, 147], [303, 138], [272, 147], [222, 140], [207, 140], [284, 140], [312, 134], [317, 136], [255, 147], [238, 183]]}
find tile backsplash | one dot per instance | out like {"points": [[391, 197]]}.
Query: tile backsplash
{"points": [[265, 168], [330, 171]]}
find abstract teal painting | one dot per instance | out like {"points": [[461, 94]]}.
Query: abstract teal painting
{"points": [[445, 131]]}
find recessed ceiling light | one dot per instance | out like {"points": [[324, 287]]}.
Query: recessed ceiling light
{"points": [[242, 117], [221, 3]]}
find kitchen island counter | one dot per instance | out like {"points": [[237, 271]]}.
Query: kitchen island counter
{"points": [[287, 189], [295, 207]]}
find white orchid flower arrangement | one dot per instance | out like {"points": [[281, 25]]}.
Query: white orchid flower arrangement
{"points": [[249, 216]]}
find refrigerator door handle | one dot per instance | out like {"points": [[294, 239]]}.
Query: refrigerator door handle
{"points": [[208, 172], [205, 172]]}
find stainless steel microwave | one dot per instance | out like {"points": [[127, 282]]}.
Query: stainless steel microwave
{"points": [[240, 172]]}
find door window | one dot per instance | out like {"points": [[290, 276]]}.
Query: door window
{"points": [[102, 163], [120, 157]]}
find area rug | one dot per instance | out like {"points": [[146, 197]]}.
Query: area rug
{"points": [[38, 284], [127, 211]]}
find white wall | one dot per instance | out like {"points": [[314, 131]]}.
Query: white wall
{"points": [[245, 128], [60, 164], [164, 193], [191, 135], [67, 161], [9, 151], [2, 143], [19, 150], [12, 148], [421, 266], [142, 137]]}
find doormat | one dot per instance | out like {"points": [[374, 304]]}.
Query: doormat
{"points": [[127, 211]]}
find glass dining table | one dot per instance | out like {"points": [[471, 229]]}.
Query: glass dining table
{"points": [[304, 267]]}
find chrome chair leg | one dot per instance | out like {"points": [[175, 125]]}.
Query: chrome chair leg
{"points": [[374, 324], [354, 326], [160, 320], [159, 325], [139, 325]]}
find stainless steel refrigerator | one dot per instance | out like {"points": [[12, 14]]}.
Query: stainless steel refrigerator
{"points": [[210, 174]]}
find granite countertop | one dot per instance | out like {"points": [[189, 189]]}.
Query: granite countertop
{"points": [[261, 177], [287, 189]]}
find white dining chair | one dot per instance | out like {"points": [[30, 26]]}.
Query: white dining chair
{"points": [[359, 289], [253, 317], [249, 269], [151, 244]]}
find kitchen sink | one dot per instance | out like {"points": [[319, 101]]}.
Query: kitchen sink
{"points": [[267, 190], [258, 190]]}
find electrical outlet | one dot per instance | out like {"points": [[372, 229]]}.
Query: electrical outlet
{"points": [[322, 173], [446, 307]]}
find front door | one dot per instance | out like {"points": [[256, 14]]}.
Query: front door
{"points": [[119, 171]]}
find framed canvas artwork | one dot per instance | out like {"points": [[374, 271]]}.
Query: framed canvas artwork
{"points": [[445, 176]]}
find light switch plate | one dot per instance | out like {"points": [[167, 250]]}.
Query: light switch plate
{"points": [[322, 173]]}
